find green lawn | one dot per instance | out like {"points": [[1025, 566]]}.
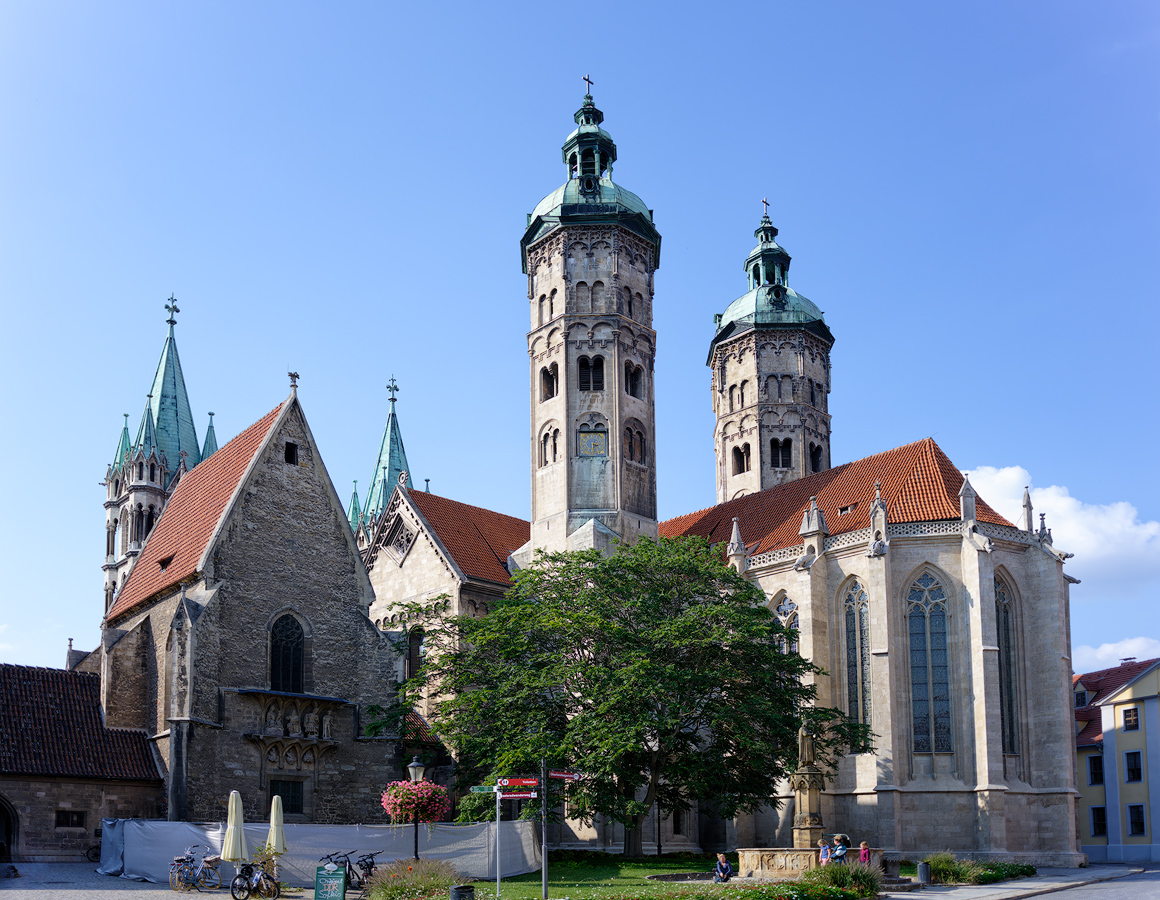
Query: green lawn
{"points": [[600, 876]]}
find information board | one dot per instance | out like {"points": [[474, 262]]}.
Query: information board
{"points": [[329, 883]]}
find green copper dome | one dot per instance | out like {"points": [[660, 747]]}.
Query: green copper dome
{"points": [[589, 195]]}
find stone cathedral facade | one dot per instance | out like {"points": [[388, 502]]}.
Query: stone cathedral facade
{"points": [[249, 620]]}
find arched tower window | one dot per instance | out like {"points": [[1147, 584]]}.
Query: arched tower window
{"points": [[555, 444], [150, 520], [813, 395], [549, 382], [415, 651], [640, 447], [781, 453], [630, 303], [552, 304], [633, 376], [543, 308], [140, 471], [930, 688], [598, 373], [1004, 640], [732, 397], [287, 655], [815, 457], [741, 459], [857, 614], [741, 393], [588, 162], [152, 472]]}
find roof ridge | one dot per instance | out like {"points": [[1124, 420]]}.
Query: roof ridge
{"points": [[468, 505]]}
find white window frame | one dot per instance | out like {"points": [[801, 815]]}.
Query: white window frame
{"points": [[1128, 819], [1142, 778]]}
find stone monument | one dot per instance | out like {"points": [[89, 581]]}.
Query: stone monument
{"points": [[807, 783]]}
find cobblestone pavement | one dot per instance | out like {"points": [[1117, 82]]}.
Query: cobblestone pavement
{"points": [[76, 881]]}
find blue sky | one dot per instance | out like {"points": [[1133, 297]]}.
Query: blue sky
{"points": [[969, 191]]}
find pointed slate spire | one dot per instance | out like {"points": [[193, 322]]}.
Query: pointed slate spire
{"points": [[354, 513], [146, 431], [391, 461], [813, 520], [210, 447], [124, 444], [967, 500], [172, 417], [1028, 511], [736, 549]]}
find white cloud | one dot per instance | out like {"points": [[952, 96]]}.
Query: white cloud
{"points": [[1092, 659], [1116, 552]]}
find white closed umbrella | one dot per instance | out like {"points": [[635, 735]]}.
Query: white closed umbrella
{"points": [[276, 840], [234, 847]]}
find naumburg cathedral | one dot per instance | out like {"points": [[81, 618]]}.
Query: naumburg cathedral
{"points": [[250, 615]]}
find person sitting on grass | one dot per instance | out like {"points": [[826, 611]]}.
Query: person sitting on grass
{"points": [[724, 871]]}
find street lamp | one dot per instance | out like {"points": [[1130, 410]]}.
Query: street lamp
{"points": [[416, 769]]}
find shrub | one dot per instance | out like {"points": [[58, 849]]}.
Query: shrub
{"points": [[405, 879], [946, 868], [861, 879]]}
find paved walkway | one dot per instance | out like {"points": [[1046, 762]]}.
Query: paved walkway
{"points": [[78, 881], [1045, 881]]}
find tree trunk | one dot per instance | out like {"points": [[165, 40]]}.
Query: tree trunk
{"points": [[633, 837]]}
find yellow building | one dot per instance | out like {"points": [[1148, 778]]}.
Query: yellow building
{"points": [[1117, 717]]}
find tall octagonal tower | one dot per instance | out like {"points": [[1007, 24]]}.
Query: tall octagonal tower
{"points": [[770, 360], [590, 251]]}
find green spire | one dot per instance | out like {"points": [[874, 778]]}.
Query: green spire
{"points": [[355, 512], [768, 263], [146, 431], [391, 462], [172, 417], [210, 446], [124, 443]]}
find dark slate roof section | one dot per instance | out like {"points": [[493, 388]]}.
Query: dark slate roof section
{"points": [[50, 724], [1100, 685]]}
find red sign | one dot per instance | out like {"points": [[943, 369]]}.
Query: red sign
{"points": [[519, 795], [568, 776], [518, 782]]}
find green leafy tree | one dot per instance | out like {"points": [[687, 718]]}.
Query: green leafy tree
{"points": [[658, 673]]}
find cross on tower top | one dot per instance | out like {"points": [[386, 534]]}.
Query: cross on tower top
{"points": [[589, 82], [171, 308], [392, 388], [765, 203]]}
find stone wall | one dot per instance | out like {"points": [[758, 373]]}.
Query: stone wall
{"points": [[35, 802]]}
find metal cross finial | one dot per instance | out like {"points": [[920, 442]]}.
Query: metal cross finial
{"points": [[293, 379], [392, 388], [588, 81], [171, 308], [765, 203]]}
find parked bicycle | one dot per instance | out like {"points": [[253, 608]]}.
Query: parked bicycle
{"points": [[93, 854], [187, 873], [366, 864], [254, 881], [354, 880]]}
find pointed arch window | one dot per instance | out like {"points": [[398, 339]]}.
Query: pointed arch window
{"points": [[857, 620], [1004, 640], [930, 689], [287, 655], [787, 614]]}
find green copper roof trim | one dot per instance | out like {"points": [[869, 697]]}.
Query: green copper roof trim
{"points": [[391, 461], [124, 443], [171, 412], [209, 448], [354, 512]]}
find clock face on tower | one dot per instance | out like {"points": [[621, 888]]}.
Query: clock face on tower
{"points": [[593, 443]]}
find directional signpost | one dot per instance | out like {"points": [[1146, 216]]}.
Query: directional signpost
{"points": [[567, 776], [482, 788], [525, 789]]}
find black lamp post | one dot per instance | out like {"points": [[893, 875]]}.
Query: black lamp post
{"points": [[416, 769]]}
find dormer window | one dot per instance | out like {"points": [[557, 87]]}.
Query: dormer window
{"points": [[163, 564]]}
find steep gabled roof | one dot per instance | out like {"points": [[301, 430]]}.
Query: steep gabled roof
{"points": [[50, 724], [190, 518], [479, 540], [1100, 685], [919, 484]]}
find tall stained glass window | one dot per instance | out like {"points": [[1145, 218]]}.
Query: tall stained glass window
{"points": [[786, 612], [1005, 632], [857, 613], [926, 615], [287, 655]]}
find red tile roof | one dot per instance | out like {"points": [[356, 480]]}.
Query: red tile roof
{"points": [[479, 540], [190, 518], [1101, 685], [919, 484], [50, 724]]}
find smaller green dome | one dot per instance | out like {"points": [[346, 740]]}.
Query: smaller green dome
{"points": [[770, 304], [608, 193]]}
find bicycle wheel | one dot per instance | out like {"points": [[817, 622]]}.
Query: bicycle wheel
{"points": [[173, 876], [209, 879], [268, 888], [186, 877], [93, 854], [240, 888]]}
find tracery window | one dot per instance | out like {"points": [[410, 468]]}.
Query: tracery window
{"points": [[857, 611], [287, 655], [1005, 632], [929, 666], [786, 611]]}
